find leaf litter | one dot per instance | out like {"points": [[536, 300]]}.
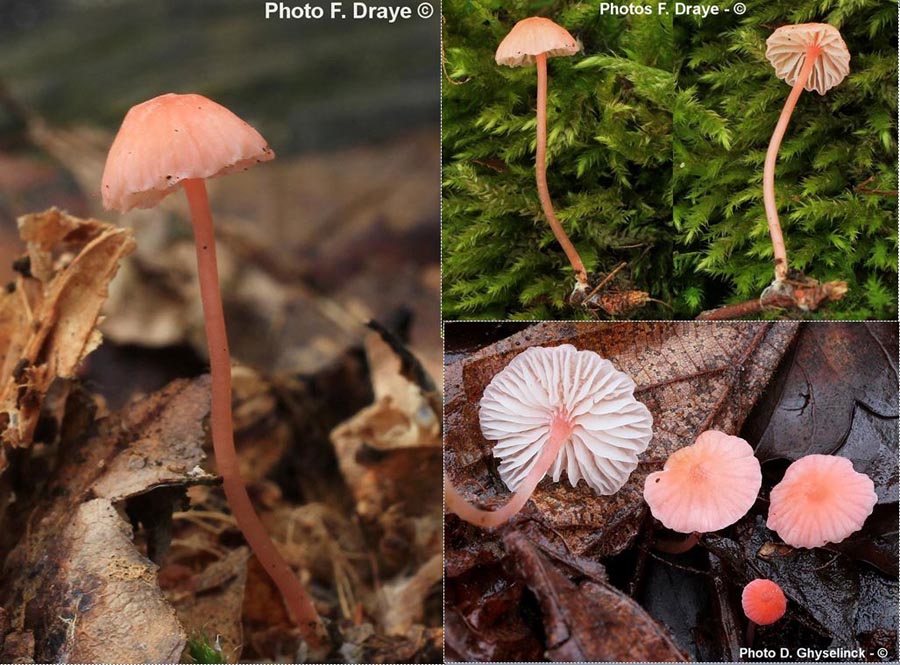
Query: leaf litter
{"points": [[124, 549], [521, 591]]}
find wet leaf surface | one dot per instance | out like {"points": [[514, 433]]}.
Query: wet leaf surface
{"points": [[836, 394], [846, 604], [691, 377], [590, 621], [842, 595]]}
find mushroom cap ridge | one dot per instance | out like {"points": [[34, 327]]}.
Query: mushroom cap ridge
{"points": [[610, 428], [763, 602], [171, 138], [821, 499], [786, 49], [705, 486], [532, 36]]}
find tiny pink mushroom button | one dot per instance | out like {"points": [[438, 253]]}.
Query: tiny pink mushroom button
{"points": [[763, 602], [820, 500]]}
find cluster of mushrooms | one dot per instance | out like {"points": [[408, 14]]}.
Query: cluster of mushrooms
{"points": [[555, 409], [810, 56], [552, 409]]}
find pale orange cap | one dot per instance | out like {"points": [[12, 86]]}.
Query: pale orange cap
{"points": [[171, 138], [532, 36], [706, 486], [787, 47], [763, 602], [820, 500]]}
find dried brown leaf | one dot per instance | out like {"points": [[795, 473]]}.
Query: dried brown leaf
{"points": [[402, 601], [389, 453], [77, 560], [213, 604], [95, 599], [48, 322]]}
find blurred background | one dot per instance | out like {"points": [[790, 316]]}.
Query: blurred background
{"points": [[342, 225]]}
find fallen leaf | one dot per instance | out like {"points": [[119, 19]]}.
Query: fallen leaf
{"points": [[94, 599], [48, 321], [402, 600], [591, 621], [836, 394], [76, 559], [212, 600], [847, 602], [363, 645], [389, 455], [691, 376]]}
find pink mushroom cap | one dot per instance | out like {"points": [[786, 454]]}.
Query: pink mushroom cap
{"points": [[788, 47], [530, 38], [171, 138], [763, 602], [705, 486], [820, 500]]}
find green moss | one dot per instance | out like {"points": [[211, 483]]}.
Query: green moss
{"points": [[837, 150], [609, 160]]}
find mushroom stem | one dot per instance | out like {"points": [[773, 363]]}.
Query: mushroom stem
{"points": [[559, 434], [778, 249], [677, 546], [295, 597], [540, 169], [751, 633]]}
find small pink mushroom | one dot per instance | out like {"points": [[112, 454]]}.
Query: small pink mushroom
{"points": [[705, 486], [820, 500], [532, 41], [165, 144], [555, 409], [764, 604], [811, 56]]}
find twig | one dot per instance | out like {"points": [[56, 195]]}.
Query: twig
{"points": [[863, 189], [805, 295], [605, 280]]}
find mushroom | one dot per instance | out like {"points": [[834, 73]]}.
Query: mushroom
{"points": [[555, 409], [820, 500], [176, 141], [811, 56], [704, 487], [764, 604], [532, 41]]}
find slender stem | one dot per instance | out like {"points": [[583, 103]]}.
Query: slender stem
{"points": [[295, 597], [751, 633], [540, 169], [778, 249], [559, 434]]}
